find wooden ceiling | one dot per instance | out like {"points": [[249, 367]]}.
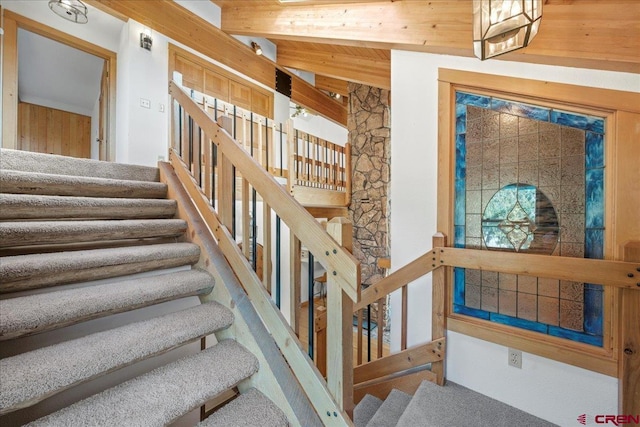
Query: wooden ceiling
{"points": [[351, 40]]}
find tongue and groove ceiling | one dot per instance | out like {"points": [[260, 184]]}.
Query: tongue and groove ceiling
{"points": [[351, 40]]}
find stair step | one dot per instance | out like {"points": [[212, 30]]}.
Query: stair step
{"points": [[365, 410], [164, 394], [454, 405], [17, 182], [43, 312], [249, 409], [391, 409], [27, 206], [26, 161], [56, 232], [30, 377], [22, 272]]}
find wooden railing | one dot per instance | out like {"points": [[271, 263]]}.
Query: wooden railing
{"points": [[205, 154], [317, 171], [408, 367]]}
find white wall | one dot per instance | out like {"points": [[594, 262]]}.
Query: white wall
{"points": [[142, 133], [551, 390]]}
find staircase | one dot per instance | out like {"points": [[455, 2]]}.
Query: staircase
{"points": [[436, 406], [97, 287]]}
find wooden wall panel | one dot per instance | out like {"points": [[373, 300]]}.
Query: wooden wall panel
{"points": [[261, 103], [240, 95], [47, 130], [192, 73], [216, 85]]}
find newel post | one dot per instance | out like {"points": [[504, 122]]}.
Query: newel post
{"points": [[629, 355], [438, 318], [339, 325]]}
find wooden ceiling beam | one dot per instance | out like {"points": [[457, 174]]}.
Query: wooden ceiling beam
{"points": [[332, 85], [357, 69], [601, 34]]}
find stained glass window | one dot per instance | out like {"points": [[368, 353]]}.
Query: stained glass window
{"points": [[529, 179]]}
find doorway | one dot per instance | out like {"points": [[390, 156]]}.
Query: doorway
{"points": [[58, 92]]}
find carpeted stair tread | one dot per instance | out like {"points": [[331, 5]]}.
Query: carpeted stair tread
{"points": [[27, 161], [365, 410], [30, 377], [454, 405], [391, 409], [50, 232], [27, 206], [40, 270], [17, 182], [164, 394], [251, 409], [42, 312]]}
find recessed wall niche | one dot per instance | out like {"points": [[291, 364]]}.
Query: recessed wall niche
{"points": [[529, 179]]}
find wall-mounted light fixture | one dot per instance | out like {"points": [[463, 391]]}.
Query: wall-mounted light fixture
{"points": [[256, 48], [501, 26], [71, 10], [335, 95], [145, 39]]}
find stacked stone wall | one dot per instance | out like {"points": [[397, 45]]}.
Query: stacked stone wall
{"points": [[370, 139]]}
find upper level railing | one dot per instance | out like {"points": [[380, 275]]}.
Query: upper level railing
{"points": [[317, 171], [206, 154]]}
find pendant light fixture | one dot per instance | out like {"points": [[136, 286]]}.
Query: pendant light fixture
{"points": [[501, 26], [71, 10]]}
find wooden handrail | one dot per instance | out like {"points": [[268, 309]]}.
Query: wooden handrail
{"points": [[598, 271], [344, 268]]}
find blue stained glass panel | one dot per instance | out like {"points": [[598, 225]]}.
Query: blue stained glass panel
{"points": [[460, 203], [519, 109], [594, 198], [594, 124], [520, 323], [594, 243], [461, 118], [458, 293], [459, 238], [471, 99], [461, 157], [474, 312], [594, 150]]}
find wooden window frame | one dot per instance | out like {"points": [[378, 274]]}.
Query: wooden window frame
{"points": [[590, 101]]}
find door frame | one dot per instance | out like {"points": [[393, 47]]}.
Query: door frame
{"points": [[11, 23]]}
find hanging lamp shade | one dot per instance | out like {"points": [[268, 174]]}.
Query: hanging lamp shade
{"points": [[501, 26], [71, 10]]}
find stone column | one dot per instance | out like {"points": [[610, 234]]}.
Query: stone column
{"points": [[370, 139]]}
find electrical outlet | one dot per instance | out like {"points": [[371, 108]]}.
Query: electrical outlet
{"points": [[515, 358]]}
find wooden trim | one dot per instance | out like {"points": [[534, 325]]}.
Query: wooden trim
{"points": [[438, 313], [544, 91], [320, 329], [13, 21], [604, 272], [407, 359], [318, 197], [562, 350], [9, 82], [327, 211], [405, 275], [305, 227], [380, 388], [307, 374], [295, 283], [629, 362]]}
